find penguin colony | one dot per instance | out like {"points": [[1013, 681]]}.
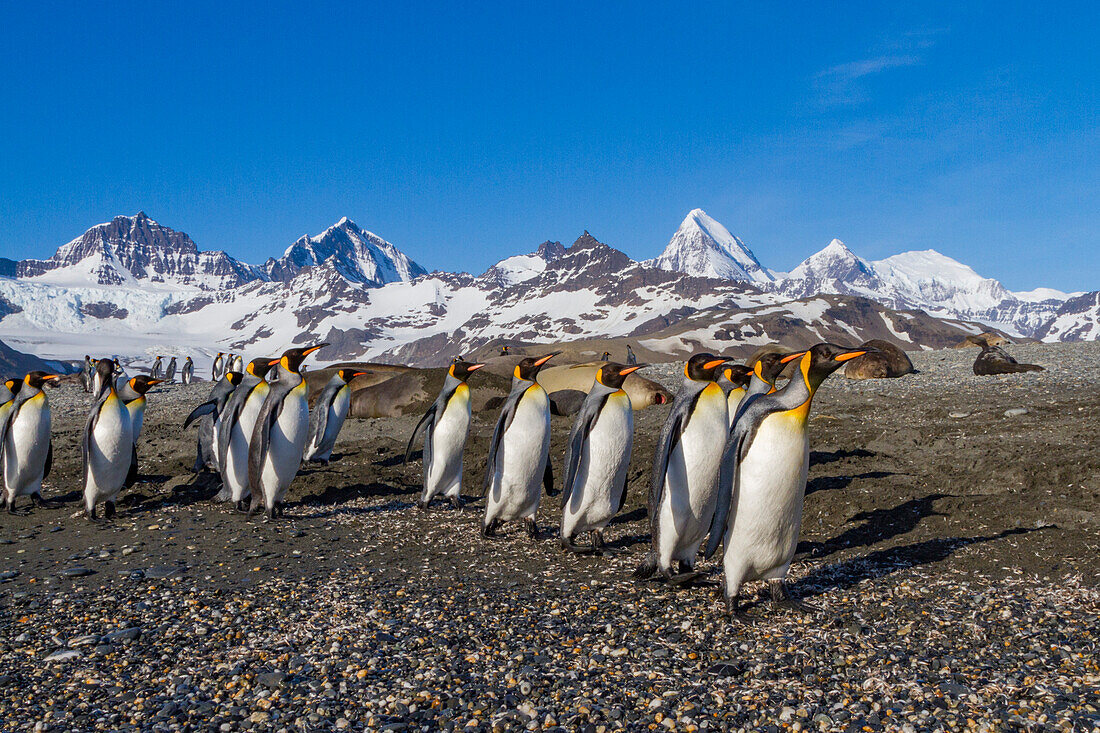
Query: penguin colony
{"points": [[729, 470]]}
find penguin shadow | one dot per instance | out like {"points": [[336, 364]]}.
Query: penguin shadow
{"points": [[336, 494], [302, 509], [884, 562], [878, 525], [820, 458], [833, 483]]}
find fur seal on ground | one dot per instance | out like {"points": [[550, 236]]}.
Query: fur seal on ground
{"points": [[982, 339], [642, 392], [995, 360], [886, 362], [566, 402]]}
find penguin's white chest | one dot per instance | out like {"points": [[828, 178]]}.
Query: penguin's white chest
{"points": [[733, 401], [28, 442], [691, 480], [136, 408], [601, 473], [236, 459], [287, 442], [444, 474], [337, 412], [109, 448], [766, 514], [521, 458]]}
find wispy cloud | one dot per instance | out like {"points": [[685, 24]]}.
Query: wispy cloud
{"points": [[859, 69]]}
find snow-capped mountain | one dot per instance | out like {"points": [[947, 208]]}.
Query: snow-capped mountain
{"points": [[703, 247], [132, 249], [359, 255], [133, 288], [927, 280]]}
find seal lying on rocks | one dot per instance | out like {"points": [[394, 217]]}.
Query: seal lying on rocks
{"points": [[995, 360], [885, 362]]}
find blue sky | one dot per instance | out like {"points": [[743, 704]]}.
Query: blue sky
{"points": [[467, 132]]}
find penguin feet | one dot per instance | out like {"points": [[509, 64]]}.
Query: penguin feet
{"points": [[109, 511], [279, 509], [16, 512], [599, 546], [782, 597], [736, 613], [532, 529], [242, 506], [423, 505], [90, 515], [38, 501], [489, 531], [456, 502], [568, 544]]}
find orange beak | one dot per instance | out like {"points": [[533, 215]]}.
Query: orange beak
{"points": [[548, 357], [849, 355], [154, 381], [791, 357], [311, 349], [273, 362], [475, 367], [358, 374], [628, 370], [48, 377], [714, 363]]}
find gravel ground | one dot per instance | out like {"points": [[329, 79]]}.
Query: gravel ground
{"points": [[954, 548]]}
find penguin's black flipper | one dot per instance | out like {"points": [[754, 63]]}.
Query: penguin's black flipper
{"points": [[425, 424], [49, 461], [507, 414], [132, 473], [260, 443], [89, 428], [548, 479], [578, 436], [206, 408]]}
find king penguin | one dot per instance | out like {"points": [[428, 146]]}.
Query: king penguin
{"points": [[206, 455], [236, 422], [279, 438], [187, 373], [763, 479], [86, 373], [327, 416], [684, 485], [237, 364], [596, 459], [216, 370], [154, 372], [133, 395], [170, 370], [734, 380], [107, 446], [26, 448], [519, 452], [445, 426]]}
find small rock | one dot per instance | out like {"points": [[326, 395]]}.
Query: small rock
{"points": [[63, 655], [272, 680], [130, 634], [958, 415], [86, 640], [77, 572], [165, 571], [1016, 412]]}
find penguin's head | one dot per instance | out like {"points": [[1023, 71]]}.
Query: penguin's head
{"points": [[13, 385], [613, 375], [38, 380], [703, 367], [770, 366], [736, 374], [234, 378], [141, 383], [348, 374], [529, 367], [605, 356], [260, 367], [823, 359], [292, 359], [105, 370], [460, 369]]}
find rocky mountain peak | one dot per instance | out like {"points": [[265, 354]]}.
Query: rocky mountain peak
{"points": [[703, 247]]}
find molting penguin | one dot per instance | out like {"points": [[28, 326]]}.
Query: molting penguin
{"points": [[107, 446], [155, 370], [187, 373], [763, 479], [206, 455], [596, 459], [86, 373], [26, 448], [684, 486], [734, 380], [279, 438], [519, 452], [170, 370], [235, 424], [445, 426], [216, 370], [328, 414], [134, 397]]}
